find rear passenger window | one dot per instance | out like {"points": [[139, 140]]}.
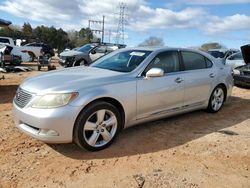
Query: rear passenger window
{"points": [[193, 61], [209, 63]]}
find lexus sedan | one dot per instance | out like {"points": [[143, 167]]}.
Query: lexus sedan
{"points": [[124, 88]]}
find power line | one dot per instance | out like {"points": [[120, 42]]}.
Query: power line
{"points": [[121, 23], [98, 30]]}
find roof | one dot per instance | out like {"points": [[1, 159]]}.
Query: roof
{"points": [[4, 22]]}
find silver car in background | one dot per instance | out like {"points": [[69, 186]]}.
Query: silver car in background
{"points": [[126, 87]]}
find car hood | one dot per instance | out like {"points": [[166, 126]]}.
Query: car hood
{"points": [[246, 53], [70, 79], [244, 67], [70, 53]]}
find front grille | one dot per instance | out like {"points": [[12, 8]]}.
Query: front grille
{"points": [[22, 98], [246, 73]]}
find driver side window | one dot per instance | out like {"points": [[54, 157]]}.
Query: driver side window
{"points": [[167, 61]]}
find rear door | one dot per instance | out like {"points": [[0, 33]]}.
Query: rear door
{"points": [[161, 95], [199, 76]]}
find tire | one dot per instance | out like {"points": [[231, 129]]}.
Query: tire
{"points": [[79, 63], [96, 133], [216, 100]]}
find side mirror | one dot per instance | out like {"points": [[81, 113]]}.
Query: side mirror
{"points": [[154, 72], [230, 58], [93, 52]]}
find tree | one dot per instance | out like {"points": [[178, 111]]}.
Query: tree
{"points": [[211, 45], [27, 30], [13, 32], [152, 41], [86, 33], [85, 36], [56, 38]]}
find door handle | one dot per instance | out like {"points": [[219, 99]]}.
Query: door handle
{"points": [[178, 80], [212, 75]]}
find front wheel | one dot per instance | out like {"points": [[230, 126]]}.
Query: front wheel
{"points": [[97, 126], [216, 100]]}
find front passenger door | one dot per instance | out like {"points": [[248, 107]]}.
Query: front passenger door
{"points": [[161, 95]]}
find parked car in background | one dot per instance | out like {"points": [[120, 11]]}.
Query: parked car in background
{"points": [[47, 50], [90, 105], [86, 54], [32, 51], [16, 52], [235, 60], [222, 54], [7, 57], [242, 73]]}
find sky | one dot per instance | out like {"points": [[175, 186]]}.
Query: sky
{"points": [[180, 23]]}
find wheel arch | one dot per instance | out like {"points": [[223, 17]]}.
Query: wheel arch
{"points": [[110, 100], [224, 87]]}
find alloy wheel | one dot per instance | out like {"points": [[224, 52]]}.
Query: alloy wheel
{"points": [[218, 99], [100, 128]]}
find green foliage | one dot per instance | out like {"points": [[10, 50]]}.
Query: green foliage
{"points": [[11, 32], [152, 41], [212, 45], [56, 38], [27, 30]]}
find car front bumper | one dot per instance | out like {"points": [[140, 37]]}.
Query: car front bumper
{"points": [[242, 80], [48, 125]]}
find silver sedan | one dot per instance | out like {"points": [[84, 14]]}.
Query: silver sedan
{"points": [[91, 105]]}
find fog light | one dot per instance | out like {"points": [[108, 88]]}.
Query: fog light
{"points": [[48, 132]]}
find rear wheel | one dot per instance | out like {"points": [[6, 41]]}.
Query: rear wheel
{"points": [[97, 126], [216, 100]]}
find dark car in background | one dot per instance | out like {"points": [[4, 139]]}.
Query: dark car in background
{"points": [[222, 53], [86, 54], [242, 73], [47, 50]]}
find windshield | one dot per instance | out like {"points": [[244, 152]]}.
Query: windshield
{"points": [[124, 61], [217, 54], [237, 56], [85, 48]]}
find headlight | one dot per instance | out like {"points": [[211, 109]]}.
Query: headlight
{"points": [[236, 72], [54, 100]]}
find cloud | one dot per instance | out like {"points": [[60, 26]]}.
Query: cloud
{"points": [[226, 24], [149, 18], [45, 10], [139, 15], [215, 2]]}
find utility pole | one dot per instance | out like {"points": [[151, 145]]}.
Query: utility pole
{"points": [[120, 27], [98, 30], [103, 17]]}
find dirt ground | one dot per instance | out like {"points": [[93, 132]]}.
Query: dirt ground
{"points": [[192, 150]]}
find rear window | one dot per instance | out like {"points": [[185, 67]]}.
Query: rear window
{"points": [[208, 62], [217, 54], [6, 41], [193, 61]]}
